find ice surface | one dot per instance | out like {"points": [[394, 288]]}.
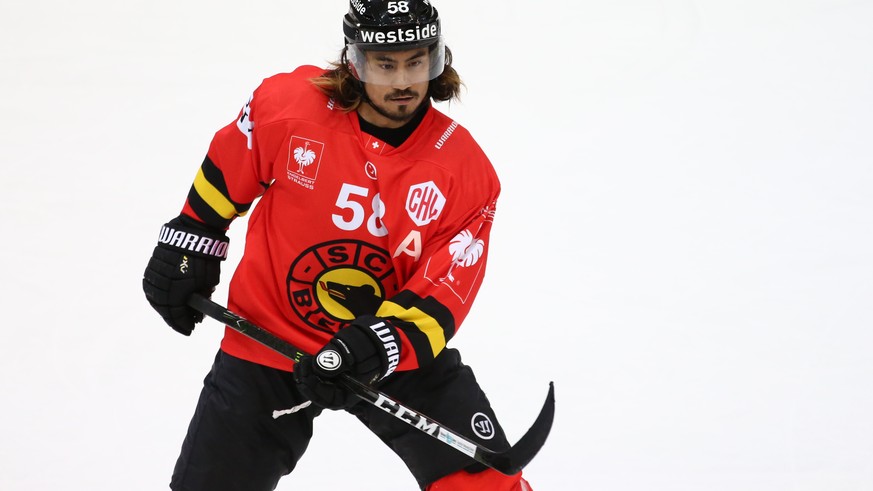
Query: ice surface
{"points": [[682, 244]]}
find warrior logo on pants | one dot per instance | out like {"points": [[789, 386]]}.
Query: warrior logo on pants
{"points": [[482, 426]]}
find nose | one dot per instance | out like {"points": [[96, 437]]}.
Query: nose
{"points": [[402, 79]]}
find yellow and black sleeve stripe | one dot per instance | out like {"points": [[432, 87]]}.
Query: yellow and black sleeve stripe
{"points": [[210, 199], [427, 323]]}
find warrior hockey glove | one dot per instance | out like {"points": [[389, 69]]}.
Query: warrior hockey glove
{"points": [[186, 260], [368, 350]]}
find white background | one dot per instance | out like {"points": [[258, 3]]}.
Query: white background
{"points": [[683, 243]]}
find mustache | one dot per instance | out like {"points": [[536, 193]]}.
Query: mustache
{"points": [[401, 93]]}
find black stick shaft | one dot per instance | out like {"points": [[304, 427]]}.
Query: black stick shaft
{"points": [[508, 462]]}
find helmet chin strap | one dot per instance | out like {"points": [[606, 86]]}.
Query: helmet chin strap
{"points": [[365, 97]]}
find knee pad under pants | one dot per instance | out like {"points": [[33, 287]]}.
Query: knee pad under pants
{"points": [[489, 480]]}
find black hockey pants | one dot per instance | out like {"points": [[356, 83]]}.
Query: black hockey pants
{"points": [[234, 443]]}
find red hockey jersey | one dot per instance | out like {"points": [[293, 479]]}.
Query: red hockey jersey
{"points": [[346, 224]]}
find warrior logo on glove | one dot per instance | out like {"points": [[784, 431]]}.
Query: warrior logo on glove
{"points": [[329, 360]]}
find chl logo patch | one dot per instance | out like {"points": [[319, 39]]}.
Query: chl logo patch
{"points": [[304, 159], [332, 283], [424, 203], [482, 426]]}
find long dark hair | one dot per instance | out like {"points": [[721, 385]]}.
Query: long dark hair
{"points": [[339, 84]]}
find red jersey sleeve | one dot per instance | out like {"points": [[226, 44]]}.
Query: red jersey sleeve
{"points": [[230, 179], [431, 306]]}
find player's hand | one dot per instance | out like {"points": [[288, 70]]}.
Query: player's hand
{"points": [[187, 260], [368, 349]]}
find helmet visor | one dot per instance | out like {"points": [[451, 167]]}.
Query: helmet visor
{"points": [[403, 66]]}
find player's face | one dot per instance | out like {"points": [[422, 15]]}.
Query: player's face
{"points": [[396, 67], [396, 86]]}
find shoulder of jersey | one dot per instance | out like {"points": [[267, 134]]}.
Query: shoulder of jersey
{"points": [[292, 96], [443, 136], [447, 142]]}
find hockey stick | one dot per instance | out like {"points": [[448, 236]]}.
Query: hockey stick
{"points": [[507, 462]]}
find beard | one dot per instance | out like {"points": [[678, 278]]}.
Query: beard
{"points": [[402, 113]]}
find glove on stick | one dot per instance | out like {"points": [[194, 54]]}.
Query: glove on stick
{"points": [[368, 349], [186, 260]]}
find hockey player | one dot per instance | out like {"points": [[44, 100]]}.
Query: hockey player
{"points": [[367, 247]]}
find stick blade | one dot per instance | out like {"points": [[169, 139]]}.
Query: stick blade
{"points": [[519, 455]]}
